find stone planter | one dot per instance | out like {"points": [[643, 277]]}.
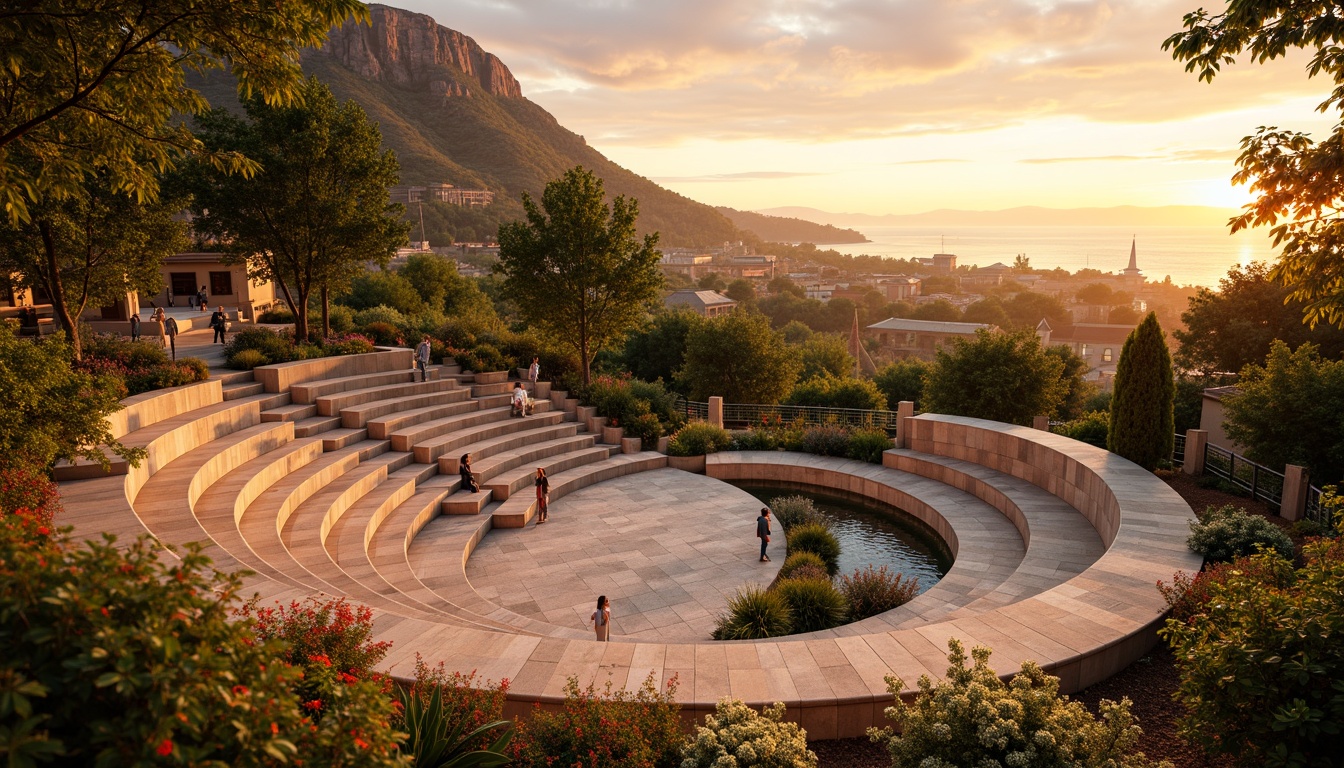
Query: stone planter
{"points": [[584, 412], [571, 405], [542, 390], [612, 435], [694, 464], [663, 443], [595, 424], [492, 377], [631, 445]]}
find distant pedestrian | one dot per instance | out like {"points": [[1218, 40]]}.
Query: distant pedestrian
{"points": [[601, 619], [763, 532], [201, 299], [468, 478], [135, 326], [158, 319], [422, 358], [219, 323], [534, 371], [543, 495], [519, 402], [170, 328]]}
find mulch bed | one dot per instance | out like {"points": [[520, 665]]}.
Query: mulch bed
{"points": [[1149, 682]]}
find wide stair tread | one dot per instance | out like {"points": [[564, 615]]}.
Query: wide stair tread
{"points": [[450, 464], [520, 508], [331, 405], [309, 391], [428, 451], [384, 425], [514, 470]]}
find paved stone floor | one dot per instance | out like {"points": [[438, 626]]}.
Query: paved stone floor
{"points": [[667, 548]]}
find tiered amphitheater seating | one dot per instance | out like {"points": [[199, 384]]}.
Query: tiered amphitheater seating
{"points": [[339, 476]]}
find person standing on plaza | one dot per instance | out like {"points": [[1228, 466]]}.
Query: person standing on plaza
{"points": [[201, 299], [543, 495], [601, 619], [157, 317], [534, 371], [135, 326], [170, 328], [763, 532], [422, 358], [219, 323]]}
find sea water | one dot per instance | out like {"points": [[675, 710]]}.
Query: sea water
{"points": [[1189, 255]]}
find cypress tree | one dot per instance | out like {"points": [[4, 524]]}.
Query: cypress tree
{"points": [[1142, 420]]}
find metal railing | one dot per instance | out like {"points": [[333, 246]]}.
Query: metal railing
{"points": [[1178, 452], [1314, 511], [1262, 483], [741, 415]]}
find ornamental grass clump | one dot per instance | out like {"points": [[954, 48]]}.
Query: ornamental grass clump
{"points": [[1225, 533], [817, 539], [754, 614], [735, 736], [814, 603], [797, 510], [799, 562], [972, 718], [871, 591]]}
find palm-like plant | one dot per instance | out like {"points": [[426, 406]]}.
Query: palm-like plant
{"points": [[434, 742]]}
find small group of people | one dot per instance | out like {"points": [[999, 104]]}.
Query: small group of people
{"points": [[542, 483], [200, 300], [168, 328]]}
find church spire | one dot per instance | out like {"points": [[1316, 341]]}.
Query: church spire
{"points": [[1133, 256]]}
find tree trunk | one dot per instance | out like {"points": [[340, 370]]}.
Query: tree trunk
{"points": [[587, 362], [326, 312], [60, 310], [301, 318]]}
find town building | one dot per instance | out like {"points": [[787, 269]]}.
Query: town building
{"points": [[900, 287], [1097, 343], [407, 194], [940, 263], [225, 284], [919, 338], [1212, 416], [707, 303]]}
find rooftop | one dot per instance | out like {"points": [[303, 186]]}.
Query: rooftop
{"points": [[928, 326]]}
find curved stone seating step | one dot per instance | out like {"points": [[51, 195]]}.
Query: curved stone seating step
{"points": [[341, 437], [291, 412], [498, 388], [385, 411], [517, 511], [407, 418], [316, 425], [243, 389], [449, 464], [511, 481], [546, 453], [451, 444], [408, 438], [332, 405], [310, 391]]}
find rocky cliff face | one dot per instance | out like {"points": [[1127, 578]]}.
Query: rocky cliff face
{"points": [[411, 49]]}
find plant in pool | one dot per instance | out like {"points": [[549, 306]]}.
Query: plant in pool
{"points": [[754, 614], [794, 510], [871, 591], [815, 603], [817, 539], [799, 561]]}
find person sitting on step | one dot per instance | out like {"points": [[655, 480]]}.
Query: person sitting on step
{"points": [[522, 406]]}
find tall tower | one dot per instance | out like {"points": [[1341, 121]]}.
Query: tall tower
{"points": [[1132, 275]]}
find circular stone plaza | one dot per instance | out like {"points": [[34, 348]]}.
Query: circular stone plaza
{"points": [[339, 477]]}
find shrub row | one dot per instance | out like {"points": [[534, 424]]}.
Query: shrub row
{"points": [[858, 443], [251, 347], [643, 410], [142, 366]]}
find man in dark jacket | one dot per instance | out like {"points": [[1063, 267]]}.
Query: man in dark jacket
{"points": [[170, 330], [219, 323], [763, 532]]}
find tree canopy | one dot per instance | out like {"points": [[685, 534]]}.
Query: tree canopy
{"points": [[94, 86], [998, 376], [1142, 422], [657, 350], [739, 358], [576, 268], [318, 209], [1299, 182]]}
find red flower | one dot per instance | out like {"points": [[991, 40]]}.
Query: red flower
{"points": [[275, 729], [240, 690], [362, 744], [165, 748]]}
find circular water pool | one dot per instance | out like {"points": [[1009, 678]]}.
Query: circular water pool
{"points": [[872, 533]]}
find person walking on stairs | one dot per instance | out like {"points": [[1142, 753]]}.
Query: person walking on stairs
{"points": [[422, 358], [157, 317]]}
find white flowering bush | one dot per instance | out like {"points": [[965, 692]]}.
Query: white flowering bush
{"points": [[975, 719], [735, 736]]}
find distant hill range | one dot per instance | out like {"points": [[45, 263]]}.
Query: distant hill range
{"points": [[1026, 216], [786, 229], [454, 113]]}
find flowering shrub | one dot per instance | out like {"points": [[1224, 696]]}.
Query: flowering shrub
{"points": [[1228, 532], [1278, 640], [753, 614], [815, 604], [1188, 596], [268, 347], [21, 488], [826, 441], [348, 344], [698, 439], [142, 366], [384, 334], [597, 729], [115, 657], [817, 539], [735, 736], [463, 699], [771, 434], [868, 444], [974, 718], [876, 590]]}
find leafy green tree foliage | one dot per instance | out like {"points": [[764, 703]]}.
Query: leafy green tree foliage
{"points": [[1099, 294], [53, 411], [658, 349], [824, 354], [1079, 391], [92, 246], [116, 657], [1026, 309], [1142, 417], [788, 307], [836, 392], [739, 358], [998, 376], [989, 311], [973, 718], [1288, 411], [317, 212], [937, 310], [94, 87], [1123, 314], [783, 284], [1273, 630], [902, 380], [385, 289], [576, 268], [712, 281], [436, 279], [741, 291], [1232, 327], [1299, 182], [797, 333]]}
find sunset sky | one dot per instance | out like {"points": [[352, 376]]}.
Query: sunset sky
{"points": [[892, 106]]}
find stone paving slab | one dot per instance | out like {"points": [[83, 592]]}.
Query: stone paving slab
{"points": [[666, 547]]}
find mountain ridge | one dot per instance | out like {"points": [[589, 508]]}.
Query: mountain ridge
{"points": [[1030, 215]]}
